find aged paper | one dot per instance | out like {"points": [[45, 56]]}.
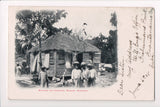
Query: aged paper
{"points": [[115, 43]]}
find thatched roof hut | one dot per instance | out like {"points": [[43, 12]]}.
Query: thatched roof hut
{"points": [[59, 51], [65, 42]]}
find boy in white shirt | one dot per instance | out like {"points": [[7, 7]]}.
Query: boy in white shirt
{"points": [[76, 74]]}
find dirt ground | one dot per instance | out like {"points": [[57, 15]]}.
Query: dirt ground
{"points": [[104, 80]]}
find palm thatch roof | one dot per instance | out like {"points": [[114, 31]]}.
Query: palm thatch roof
{"points": [[65, 42]]}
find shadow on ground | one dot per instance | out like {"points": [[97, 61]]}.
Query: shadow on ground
{"points": [[104, 80]]}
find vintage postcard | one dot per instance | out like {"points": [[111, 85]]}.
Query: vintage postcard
{"points": [[81, 53]]}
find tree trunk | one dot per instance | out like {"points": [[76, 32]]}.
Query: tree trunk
{"points": [[40, 57]]}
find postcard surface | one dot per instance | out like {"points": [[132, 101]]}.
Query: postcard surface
{"points": [[81, 53]]}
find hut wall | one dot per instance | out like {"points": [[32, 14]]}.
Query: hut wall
{"points": [[34, 63], [60, 67], [51, 71], [68, 60], [97, 60], [45, 60], [86, 57], [43, 57], [94, 57], [56, 64]]}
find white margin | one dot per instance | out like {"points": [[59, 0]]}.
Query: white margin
{"points": [[4, 54]]}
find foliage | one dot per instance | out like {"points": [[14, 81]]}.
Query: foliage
{"points": [[112, 40], [113, 19], [65, 30], [108, 45], [100, 42], [34, 25]]}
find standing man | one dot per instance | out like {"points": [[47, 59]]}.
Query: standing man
{"points": [[76, 74], [92, 75]]}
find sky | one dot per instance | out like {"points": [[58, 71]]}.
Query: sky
{"points": [[97, 19]]}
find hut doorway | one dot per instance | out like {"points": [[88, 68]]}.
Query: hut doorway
{"points": [[79, 57]]}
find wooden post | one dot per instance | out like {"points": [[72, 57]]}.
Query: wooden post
{"points": [[55, 63], [31, 60], [74, 56]]}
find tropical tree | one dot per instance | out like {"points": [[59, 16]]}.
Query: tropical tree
{"points": [[112, 40], [113, 19], [108, 45], [32, 27], [101, 43]]}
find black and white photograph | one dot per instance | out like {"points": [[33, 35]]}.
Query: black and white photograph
{"points": [[81, 53], [66, 48]]}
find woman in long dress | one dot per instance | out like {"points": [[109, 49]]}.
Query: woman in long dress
{"points": [[18, 70], [43, 77]]}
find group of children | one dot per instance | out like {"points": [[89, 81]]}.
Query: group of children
{"points": [[84, 76]]}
